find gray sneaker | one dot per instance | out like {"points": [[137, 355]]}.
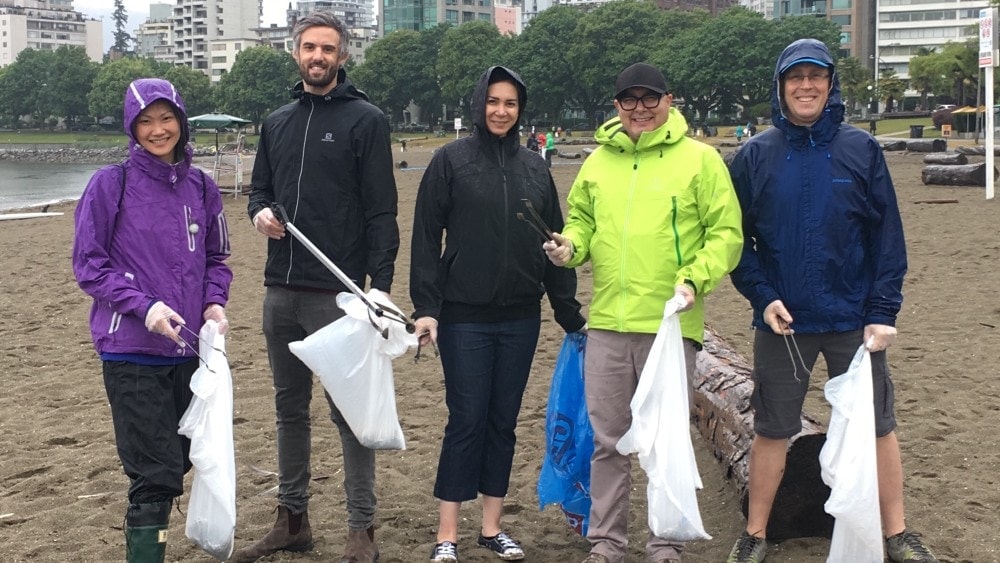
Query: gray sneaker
{"points": [[748, 549], [907, 547]]}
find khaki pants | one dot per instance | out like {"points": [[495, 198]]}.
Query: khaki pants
{"points": [[612, 367]]}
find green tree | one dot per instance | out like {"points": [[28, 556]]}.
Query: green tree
{"points": [[540, 57], [467, 51], [427, 89], [24, 89], [854, 81], [122, 40], [194, 86], [72, 73], [725, 62], [258, 84], [891, 86], [107, 97], [608, 39], [392, 71]]}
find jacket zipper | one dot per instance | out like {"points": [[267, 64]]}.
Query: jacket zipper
{"points": [[506, 217], [673, 224], [298, 191]]}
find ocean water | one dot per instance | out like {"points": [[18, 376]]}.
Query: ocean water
{"points": [[32, 184]]}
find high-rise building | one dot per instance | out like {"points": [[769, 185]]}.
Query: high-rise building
{"points": [[854, 17], [904, 28], [46, 25], [208, 31], [154, 37], [508, 16], [418, 15]]}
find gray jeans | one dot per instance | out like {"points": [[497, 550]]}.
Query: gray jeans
{"points": [[290, 316], [612, 365]]}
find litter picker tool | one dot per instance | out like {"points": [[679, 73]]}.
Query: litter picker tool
{"points": [[379, 310], [535, 220]]}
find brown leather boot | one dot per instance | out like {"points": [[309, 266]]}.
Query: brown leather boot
{"points": [[361, 546], [291, 532]]}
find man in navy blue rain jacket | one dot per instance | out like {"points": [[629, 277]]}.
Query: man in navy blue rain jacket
{"points": [[823, 259]]}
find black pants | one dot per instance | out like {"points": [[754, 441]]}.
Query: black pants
{"points": [[147, 403]]}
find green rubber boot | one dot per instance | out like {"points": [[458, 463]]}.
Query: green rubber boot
{"points": [[146, 532]]}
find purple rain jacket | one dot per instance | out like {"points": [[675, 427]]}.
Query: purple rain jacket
{"points": [[164, 239]]}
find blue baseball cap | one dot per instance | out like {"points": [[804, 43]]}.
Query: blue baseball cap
{"points": [[816, 62]]}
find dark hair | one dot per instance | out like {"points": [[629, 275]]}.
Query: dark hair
{"points": [[322, 19], [185, 132]]}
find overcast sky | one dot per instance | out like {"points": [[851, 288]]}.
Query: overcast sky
{"points": [[138, 11]]}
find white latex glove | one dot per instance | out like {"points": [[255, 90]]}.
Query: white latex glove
{"points": [[217, 313], [426, 329], [686, 294], [266, 223], [559, 249], [879, 337], [158, 319], [778, 318]]}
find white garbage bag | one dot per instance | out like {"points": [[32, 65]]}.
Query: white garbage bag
{"points": [[208, 422], [354, 364], [849, 466], [661, 435]]}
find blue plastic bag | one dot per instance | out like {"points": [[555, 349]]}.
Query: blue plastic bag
{"points": [[569, 439]]}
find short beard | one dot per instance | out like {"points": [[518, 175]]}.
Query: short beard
{"points": [[326, 80]]}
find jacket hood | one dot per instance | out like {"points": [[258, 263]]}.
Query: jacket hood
{"points": [[139, 95], [478, 102], [807, 50], [344, 89], [613, 134]]}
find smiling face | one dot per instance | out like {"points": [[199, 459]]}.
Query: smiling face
{"points": [[319, 55], [805, 89], [158, 130], [641, 118], [502, 107]]}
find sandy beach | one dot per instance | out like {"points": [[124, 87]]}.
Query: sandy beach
{"points": [[62, 492]]}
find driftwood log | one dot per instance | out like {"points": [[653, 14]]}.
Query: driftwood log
{"points": [[722, 413], [949, 158], [894, 146], [955, 175], [926, 145], [977, 150]]}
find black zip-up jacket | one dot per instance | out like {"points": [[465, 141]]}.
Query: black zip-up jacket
{"points": [[493, 267], [328, 161]]}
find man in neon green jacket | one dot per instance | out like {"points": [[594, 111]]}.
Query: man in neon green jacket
{"points": [[655, 213]]}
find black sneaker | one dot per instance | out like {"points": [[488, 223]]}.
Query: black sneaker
{"points": [[748, 549], [502, 544], [445, 551], [907, 547]]}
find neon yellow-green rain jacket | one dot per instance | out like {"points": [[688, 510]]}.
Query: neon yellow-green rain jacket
{"points": [[650, 216]]}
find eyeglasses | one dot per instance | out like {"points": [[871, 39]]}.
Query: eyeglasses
{"points": [[649, 101], [813, 77]]}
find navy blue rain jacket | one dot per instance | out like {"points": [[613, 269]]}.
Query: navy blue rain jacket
{"points": [[820, 220]]}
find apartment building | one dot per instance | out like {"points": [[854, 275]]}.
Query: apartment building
{"points": [[154, 37], [204, 28], [48, 25], [904, 27]]}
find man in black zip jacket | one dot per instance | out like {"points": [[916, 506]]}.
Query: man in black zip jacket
{"points": [[327, 159]]}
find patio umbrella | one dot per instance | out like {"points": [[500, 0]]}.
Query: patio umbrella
{"points": [[215, 121]]}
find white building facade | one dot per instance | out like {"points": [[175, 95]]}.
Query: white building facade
{"points": [[201, 24], [46, 25], [903, 27]]}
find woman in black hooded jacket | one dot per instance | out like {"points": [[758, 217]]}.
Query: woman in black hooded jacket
{"points": [[480, 299]]}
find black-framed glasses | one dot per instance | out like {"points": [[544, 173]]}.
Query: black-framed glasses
{"points": [[649, 101]]}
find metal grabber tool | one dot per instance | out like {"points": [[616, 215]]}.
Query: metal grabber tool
{"points": [[535, 220], [379, 310]]}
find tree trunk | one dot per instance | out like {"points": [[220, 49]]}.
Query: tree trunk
{"points": [[955, 175], [722, 413], [946, 158]]}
